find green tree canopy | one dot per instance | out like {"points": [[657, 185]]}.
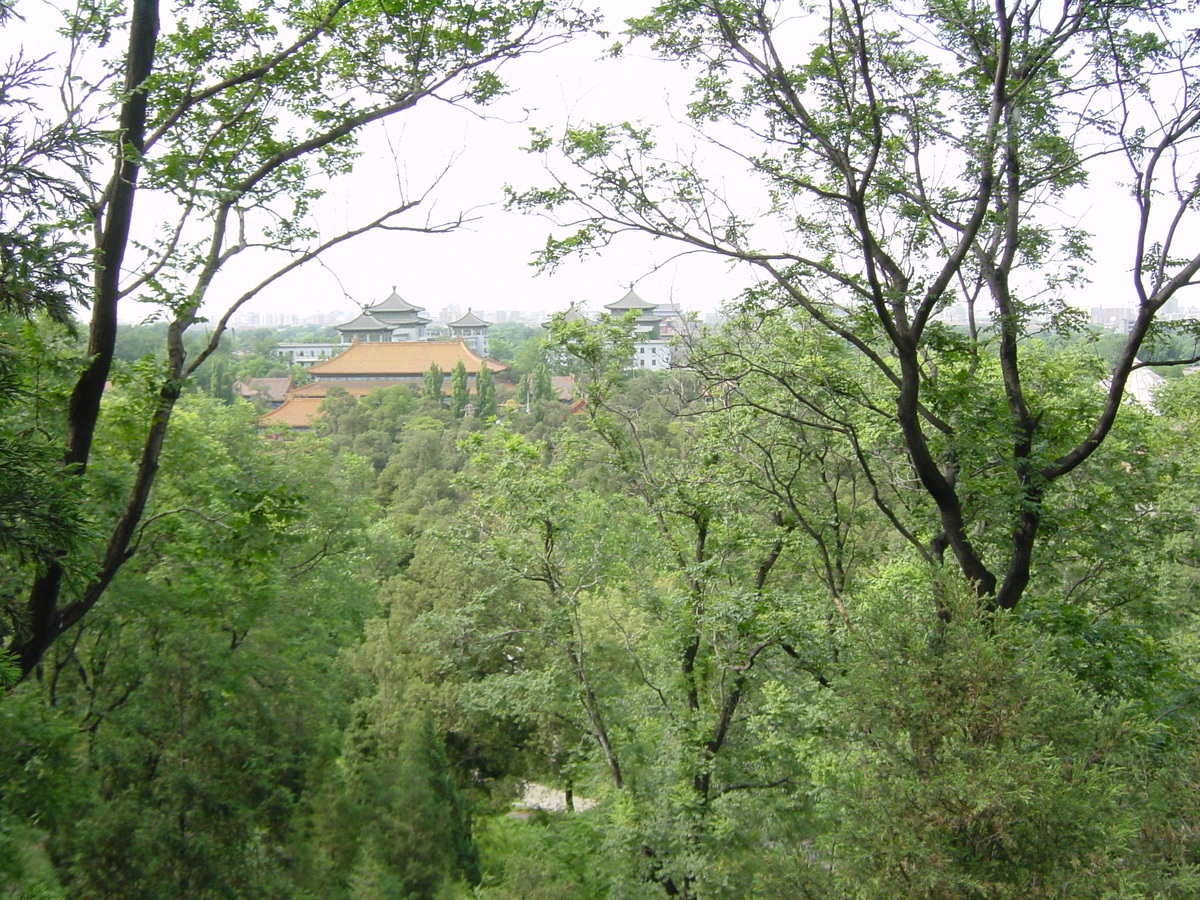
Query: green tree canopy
{"points": [[224, 127], [432, 385], [485, 394], [460, 396], [839, 113]]}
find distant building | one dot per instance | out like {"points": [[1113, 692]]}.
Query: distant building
{"points": [[271, 391], [302, 354], [298, 413], [651, 340], [472, 331], [363, 367], [652, 355], [674, 321], [574, 315], [246, 319], [653, 328], [564, 388], [394, 319], [646, 322], [1113, 318]]}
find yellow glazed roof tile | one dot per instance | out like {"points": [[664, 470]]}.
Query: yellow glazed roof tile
{"points": [[401, 358], [298, 412]]}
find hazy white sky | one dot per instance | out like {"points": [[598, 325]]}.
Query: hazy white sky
{"points": [[475, 153], [486, 264]]}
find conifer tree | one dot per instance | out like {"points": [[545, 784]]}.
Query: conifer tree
{"points": [[542, 386], [485, 394], [391, 821], [459, 392], [433, 384]]}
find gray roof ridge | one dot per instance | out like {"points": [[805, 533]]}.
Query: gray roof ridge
{"points": [[364, 321], [631, 301], [393, 303], [468, 320]]}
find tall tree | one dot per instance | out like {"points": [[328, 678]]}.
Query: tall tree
{"points": [[431, 388], [916, 158], [43, 194], [542, 387], [392, 822], [221, 117], [460, 395], [208, 682], [42, 271], [651, 587], [485, 394]]}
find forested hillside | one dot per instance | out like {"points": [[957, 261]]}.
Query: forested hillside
{"points": [[337, 656], [858, 603]]}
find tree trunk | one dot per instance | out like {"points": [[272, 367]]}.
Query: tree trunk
{"points": [[114, 217]]}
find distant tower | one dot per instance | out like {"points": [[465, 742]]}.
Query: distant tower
{"points": [[394, 319], [472, 330], [650, 350], [651, 347], [647, 321]]}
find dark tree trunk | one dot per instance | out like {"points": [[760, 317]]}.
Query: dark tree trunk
{"points": [[45, 621]]}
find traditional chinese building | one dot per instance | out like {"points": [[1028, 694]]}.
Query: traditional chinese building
{"points": [[394, 319], [652, 347], [647, 321], [265, 391], [472, 331], [296, 413], [364, 367]]}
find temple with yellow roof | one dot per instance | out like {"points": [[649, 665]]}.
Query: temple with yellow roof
{"points": [[365, 367]]}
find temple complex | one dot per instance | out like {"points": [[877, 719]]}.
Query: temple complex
{"points": [[393, 319], [363, 367]]}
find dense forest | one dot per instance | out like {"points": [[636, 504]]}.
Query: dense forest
{"points": [[856, 603], [337, 657]]}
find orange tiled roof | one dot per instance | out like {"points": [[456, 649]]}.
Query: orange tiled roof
{"points": [[321, 389], [298, 412], [565, 386], [398, 358], [272, 389]]}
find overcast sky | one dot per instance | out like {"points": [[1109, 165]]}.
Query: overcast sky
{"points": [[486, 264]]}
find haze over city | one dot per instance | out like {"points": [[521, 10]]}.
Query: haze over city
{"points": [[464, 158]]}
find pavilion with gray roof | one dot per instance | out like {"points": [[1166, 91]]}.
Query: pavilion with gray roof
{"points": [[647, 320], [472, 331], [393, 319]]}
